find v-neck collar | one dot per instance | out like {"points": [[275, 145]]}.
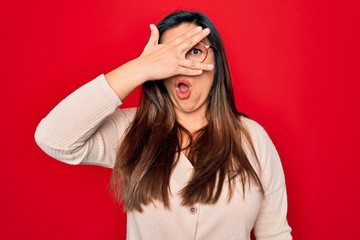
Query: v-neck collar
{"points": [[182, 172], [185, 159]]}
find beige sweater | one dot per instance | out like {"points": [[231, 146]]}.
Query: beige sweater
{"points": [[86, 127]]}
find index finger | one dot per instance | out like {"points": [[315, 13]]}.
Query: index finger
{"points": [[187, 36], [195, 39]]}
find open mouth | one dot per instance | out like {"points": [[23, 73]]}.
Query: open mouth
{"points": [[183, 88]]}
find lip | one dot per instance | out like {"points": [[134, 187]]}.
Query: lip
{"points": [[182, 80]]}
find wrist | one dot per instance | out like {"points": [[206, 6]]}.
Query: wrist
{"points": [[124, 79]]}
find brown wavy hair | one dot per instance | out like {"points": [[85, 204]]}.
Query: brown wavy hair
{"points": [[152, 143]]}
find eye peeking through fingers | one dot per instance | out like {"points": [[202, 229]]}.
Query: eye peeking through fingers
{"points": [[194, 51], [198, 53]]}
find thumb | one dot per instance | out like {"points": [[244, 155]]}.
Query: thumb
{"points": [[154, 35]]}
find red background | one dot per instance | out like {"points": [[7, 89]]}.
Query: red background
{"points": [[295, 67]]}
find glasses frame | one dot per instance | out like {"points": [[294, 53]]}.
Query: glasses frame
{"points": [[206, 48]]}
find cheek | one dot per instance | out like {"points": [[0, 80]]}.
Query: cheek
{"points": [[209, 79], [168, 83]]}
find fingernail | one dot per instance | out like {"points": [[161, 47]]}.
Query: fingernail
{"points": [[206, 30], [198, 28], [210, 66], [199, 71]]}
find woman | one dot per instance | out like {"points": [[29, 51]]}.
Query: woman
{"points": [[185, 163]]}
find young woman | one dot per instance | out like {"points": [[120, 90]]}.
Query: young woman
{"points": [[186, 164]]}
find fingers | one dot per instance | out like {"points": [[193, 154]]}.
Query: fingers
{"points": [[187, 35], [191, 38], [168, 59], [186, 41], [191, 68], [189, 72], [196, 65], [195, 39], [154, 35]]}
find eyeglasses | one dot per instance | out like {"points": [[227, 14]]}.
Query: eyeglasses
{"points": [[198, 53]]}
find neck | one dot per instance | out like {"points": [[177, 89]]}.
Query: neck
{"points": [[192, 121]]}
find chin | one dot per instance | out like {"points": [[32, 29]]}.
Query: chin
{"points": [[190, 108], [186, 109]]}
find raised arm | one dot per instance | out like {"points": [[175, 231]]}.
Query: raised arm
{"points": [[86, 126]]}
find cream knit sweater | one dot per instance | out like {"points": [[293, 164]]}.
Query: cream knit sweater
{"points": [[86, 127]]}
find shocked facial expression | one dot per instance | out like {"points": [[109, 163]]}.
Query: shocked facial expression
{"points": [[189, 93]]}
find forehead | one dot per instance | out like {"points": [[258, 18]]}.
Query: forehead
{"points": [[174, 32]]}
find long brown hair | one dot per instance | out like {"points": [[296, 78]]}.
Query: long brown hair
{"points": [[152, 143]]}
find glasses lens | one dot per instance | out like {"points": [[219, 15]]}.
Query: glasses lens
{"points": [[198, 53]]}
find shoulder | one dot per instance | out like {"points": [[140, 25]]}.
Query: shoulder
{"points": [[268, 158], [255, 138], [258, 135], [255, 130]]}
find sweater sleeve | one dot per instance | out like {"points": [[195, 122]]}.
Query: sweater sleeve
{"points": [[86, 126], [271, 223]]}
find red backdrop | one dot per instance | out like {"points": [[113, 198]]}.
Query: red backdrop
{"points": [[296, 70]]}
